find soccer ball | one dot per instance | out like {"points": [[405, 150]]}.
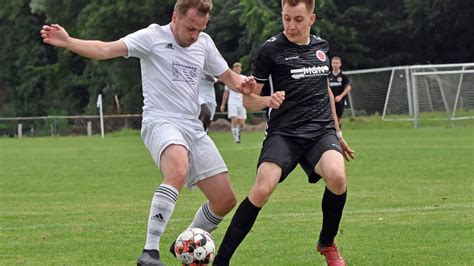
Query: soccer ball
{"points": [[195, 246]]}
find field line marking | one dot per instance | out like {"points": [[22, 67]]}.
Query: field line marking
{"points": [[266, 215]]}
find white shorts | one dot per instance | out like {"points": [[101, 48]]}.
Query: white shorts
{"points": [[235, 110], [204, 158]]}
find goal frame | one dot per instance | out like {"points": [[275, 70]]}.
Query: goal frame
{"points": [[412, 74]]}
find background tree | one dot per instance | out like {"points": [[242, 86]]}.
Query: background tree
{"points": [[37, 79]]}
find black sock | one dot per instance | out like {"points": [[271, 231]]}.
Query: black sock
{"points": [[239, 227], [332, 206]]}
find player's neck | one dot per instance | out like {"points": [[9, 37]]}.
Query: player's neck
{"points": [[304, 41], [336, 72]]}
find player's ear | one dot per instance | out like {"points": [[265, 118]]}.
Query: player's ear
{"points": [[174, 16], [313, 18]]}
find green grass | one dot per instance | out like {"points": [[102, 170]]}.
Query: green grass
{"points": [[85, 200]]}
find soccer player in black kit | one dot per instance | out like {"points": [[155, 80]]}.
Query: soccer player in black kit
{"points": [[301, 128], [340, 86]]}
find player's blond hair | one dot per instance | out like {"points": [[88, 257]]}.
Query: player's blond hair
{"points": [[310, 4], [203, 7], [237, 64]]}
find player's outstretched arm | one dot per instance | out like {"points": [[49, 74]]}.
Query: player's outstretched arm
{"points": [[238, 84], [347, 152], [57, 36]]}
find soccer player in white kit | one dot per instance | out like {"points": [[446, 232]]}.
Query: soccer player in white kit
{"points": [[235, 107], [172, 59]]}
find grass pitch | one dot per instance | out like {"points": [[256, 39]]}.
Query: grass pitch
{"points": [[85, 201]]}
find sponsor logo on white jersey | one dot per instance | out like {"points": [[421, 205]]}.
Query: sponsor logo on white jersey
{"points": [[309, 72], [184, 73]]}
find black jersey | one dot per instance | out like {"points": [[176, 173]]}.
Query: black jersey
{"points": [[338, 82], [301, 71]]}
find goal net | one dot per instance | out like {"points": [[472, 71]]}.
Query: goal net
{"points": [[411, 93]]}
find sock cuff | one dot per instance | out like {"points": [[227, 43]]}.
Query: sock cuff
{"points": [[210, 215], [248, 204], [329, 193], [168, 192]]}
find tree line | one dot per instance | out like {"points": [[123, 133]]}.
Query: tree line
{"points": [[37, 79]]}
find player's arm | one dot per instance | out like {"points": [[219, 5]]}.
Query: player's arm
{"points": [[236, 83], [57, 36], [345, 92], [255, 102], [346, 150], [333, 111], [225, 95]]}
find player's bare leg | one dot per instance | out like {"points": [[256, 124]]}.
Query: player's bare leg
{"points": [[174, 164], [268, 175], [331, 168]]}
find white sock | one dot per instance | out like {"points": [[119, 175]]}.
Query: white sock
{"points": [[206, 219], [235, 133], [162, 206]]}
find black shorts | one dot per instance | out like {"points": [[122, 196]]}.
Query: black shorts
{"points": [[287, 152], [340, 108]]}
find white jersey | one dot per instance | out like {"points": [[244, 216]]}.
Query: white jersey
{"points": [[235, 98], [206, 89], [171, 73]]}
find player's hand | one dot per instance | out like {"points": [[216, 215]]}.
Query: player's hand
{"points": [[277, 99], [248, 85], [337, 98], [347, 152], [222, 108], [55, 35]]}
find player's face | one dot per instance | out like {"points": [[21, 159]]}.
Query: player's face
{"points": [[237, 69], [297, 22], [336, 64], [187, 27]]}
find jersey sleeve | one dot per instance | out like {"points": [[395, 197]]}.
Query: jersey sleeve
{"points": [[215, 63], [140, 42], [261, 64]]}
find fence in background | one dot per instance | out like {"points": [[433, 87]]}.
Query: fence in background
{"points": [[66, 125], [84, 125]]}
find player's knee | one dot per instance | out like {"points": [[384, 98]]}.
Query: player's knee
{"points": [[225, 204], [260, 195], [177, 174], [230, 203], [337, 182]]}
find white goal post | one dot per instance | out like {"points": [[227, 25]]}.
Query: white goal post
{"points": [[410, 92]]}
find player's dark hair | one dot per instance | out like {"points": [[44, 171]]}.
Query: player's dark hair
{"points": [[310, 4], [203, 7]]}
